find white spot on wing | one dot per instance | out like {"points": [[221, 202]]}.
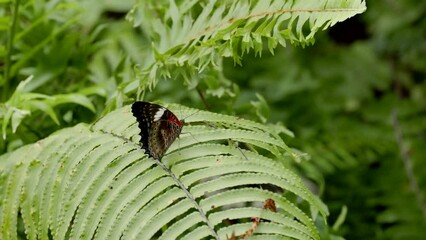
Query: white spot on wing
{"points": [[159, 114]]}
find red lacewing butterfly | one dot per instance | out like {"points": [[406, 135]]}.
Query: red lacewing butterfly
{"points": [[159, 127]]}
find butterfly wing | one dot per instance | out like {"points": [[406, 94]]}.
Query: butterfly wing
{"points": [[144, 113], [161, 136], [159, 127]]}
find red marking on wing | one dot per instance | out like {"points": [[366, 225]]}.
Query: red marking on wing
{"points": [[175, 120]]}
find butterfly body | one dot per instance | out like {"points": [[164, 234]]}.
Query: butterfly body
{"points": [[159, 127]]}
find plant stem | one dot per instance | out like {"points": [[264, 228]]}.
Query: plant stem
{"points": [[9, 46], [408, 165], [203, 99], [179, 183], [189, 196]]}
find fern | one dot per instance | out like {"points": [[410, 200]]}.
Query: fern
{"points": [[191, 36], [94, 181], [22, 103]]}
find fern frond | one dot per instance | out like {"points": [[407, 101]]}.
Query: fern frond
{"points": [[95, 182], [190, 36]]}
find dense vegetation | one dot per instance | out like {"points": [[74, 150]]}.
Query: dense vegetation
{"points": [[353, 96]]}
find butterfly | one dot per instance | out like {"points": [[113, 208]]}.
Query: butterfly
{"points": [[159, 127]]}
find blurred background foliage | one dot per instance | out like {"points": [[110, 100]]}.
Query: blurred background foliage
{"points": [[355, 100]]}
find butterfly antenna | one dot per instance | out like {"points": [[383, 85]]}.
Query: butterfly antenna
{"points": [[183, 119]]}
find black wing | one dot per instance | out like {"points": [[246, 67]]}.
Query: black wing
{"points": [[145, 113]]}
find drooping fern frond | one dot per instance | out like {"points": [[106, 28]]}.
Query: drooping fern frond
{"points": [[190, 36], [95, 182]]}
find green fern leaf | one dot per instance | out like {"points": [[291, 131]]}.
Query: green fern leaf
{"points": [[190, 36], [95, 182]]}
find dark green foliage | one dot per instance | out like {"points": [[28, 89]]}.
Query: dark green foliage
{"points": [[357, 105]]}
